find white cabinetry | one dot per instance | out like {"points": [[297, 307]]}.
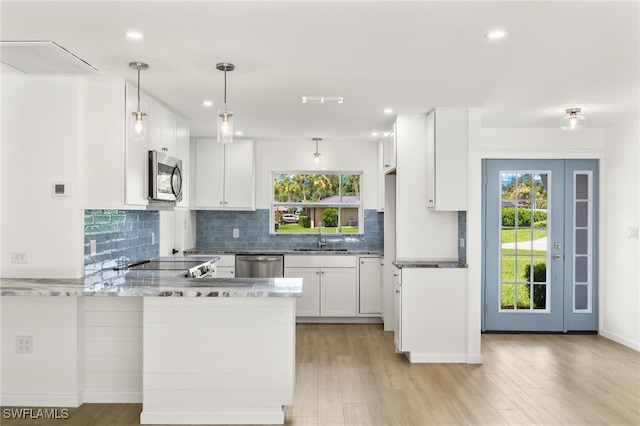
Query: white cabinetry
{"points": [[182, 153], [431, 322], [329, 284], [226, 266], [389, 150], [397, 316], [370, 285], [116, 166], [225, 175], [446, 161]]}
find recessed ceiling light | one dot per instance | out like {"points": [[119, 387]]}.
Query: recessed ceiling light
{"points": [[207, 103], [374, 133], [134, 35], [495, 34], [238, 133], [388, 111]]}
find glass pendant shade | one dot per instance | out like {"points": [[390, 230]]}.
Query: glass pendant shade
{"points": [[573, 121], [225, 127], [139, 126]]}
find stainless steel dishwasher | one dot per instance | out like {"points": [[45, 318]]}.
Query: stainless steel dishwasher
{"points": [[259, 265]]}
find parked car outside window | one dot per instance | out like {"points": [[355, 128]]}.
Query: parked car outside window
{"points": [[290, 218]]}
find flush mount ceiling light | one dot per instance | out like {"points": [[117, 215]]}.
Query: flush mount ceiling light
{"points": [[139, 126], [322, 99], [573, 121], [134, 35], [316, 155], [495, 34], [207, 103], [225, 118], [388, 111]]}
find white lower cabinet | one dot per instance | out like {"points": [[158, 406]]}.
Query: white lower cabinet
{"points": [[226, 266], [397, 317], [431, 317], [370, 285], [329, 285]]}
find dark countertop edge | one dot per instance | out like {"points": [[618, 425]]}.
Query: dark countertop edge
{"points": [[451, 264], [200, 251]]}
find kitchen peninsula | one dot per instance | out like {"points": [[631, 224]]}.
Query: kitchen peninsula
{"points": [[214, 350]]}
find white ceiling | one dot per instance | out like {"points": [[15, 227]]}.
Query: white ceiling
{"points": [[409, 56]]}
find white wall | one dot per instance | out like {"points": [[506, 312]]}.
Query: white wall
{"points": [[619, 255], [40, 146], [51, 376], [298, 156]]}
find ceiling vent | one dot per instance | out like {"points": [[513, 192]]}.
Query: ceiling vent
{"points": [[42, 57]]}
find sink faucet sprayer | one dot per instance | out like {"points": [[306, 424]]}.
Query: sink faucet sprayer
{"points": [[321, 240]]}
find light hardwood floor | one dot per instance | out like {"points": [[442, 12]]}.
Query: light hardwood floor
{"points": [[349, 374]]}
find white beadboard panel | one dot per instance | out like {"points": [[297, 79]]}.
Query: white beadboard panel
{"points": [[113, 363], [229, 364], [202, 400], [175, 348], [263, 415], [113, 380], [113, 349], [221, 332], [217, 356], [113, 334], [113, 318], [219, 381], [218, 315], [236, 302], [129, 349], [113, 304]]}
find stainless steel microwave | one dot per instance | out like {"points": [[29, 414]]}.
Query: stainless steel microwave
{"points": [[165, 177]]}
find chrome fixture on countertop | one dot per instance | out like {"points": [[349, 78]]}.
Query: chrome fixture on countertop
{"points": [[321, 240]]}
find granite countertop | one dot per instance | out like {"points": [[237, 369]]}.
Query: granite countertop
{"points": [[301, 251], [152, 283], [421, 263]]}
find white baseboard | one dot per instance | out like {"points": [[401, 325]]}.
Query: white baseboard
{"points": [[475, 359], [18, 400], [618, 339], [276, 416], [113, 397], [437, 358]]}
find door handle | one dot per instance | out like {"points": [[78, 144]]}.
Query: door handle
{"points": [[558, 257]]}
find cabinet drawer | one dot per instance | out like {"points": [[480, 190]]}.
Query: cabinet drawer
{"points": [[319, 261]]}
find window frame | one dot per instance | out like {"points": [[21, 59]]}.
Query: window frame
{"points": [[313, 231]]}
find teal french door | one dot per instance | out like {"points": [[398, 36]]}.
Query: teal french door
{"points": [[540, 245]]}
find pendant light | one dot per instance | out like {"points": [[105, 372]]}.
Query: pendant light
{"points": [[316, 154], [225, 118], [573, 121], [139, 126]]}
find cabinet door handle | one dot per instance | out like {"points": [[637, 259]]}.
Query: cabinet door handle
{"points": [[220, 202], [397, 291], [317, 273]]}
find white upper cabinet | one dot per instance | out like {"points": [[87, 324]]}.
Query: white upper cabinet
{"points": [[225, 175], [389, 150], [447, 159], [182, 153], [116, 165]]}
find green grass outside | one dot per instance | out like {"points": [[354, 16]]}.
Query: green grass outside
{"points": [[512, 274]]}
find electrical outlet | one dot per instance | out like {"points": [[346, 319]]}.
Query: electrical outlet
{"points": [[92, 247], [236, 233], [462, 242], [153, 238], [632, 232], [19, 257], [24, 344]]}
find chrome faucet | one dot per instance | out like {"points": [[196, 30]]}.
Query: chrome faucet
{"points": [[321, 240]]}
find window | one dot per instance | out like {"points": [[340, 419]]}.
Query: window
{"points": [[305, 201]]}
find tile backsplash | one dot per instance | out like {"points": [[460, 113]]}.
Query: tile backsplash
{"points": [[215, 233], [121, 236]]}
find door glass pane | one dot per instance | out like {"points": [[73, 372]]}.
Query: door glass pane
{"points": [[523, 236], [583, 235], [507, 296], [539, 296]]}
